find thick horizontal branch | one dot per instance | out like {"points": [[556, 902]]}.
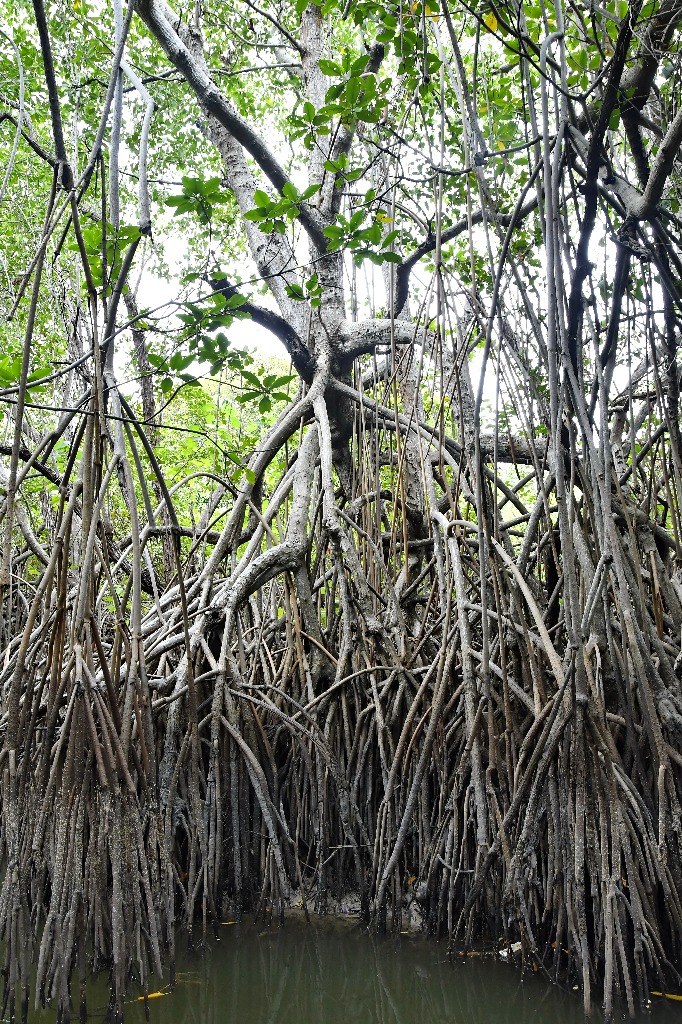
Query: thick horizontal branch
{"points": [[638, 205], [366, 336]]}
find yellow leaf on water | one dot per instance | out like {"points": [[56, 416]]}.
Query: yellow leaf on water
{"points": [[668, 995], [152, 995], [490, 21]]}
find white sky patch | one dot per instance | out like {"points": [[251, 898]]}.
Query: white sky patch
{"points": [[156, 291]]}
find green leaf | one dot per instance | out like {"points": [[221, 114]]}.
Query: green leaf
{"points": [[309, 192], [251, 378], [333, 92], [359, 65], [357, 219], [180, 362], [39, 375], [353, 90], [262, 199], [209, 187], [10, 370], [330, 67]]}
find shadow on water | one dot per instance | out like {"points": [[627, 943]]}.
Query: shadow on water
{"points": [[336, 973]]}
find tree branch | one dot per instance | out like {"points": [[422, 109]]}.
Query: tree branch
{"points": [[454, 231], [594, 161], [663, 165], [506, 448], [53, 94], [272, 253], [304, 364], [25, 455], [278, 25], [26, 135], [366, 336], [214, 102]]}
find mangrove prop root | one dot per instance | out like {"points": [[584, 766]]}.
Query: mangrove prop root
{"points": [[321, 722]]}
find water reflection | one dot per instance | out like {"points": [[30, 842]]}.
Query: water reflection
{"points": [[332, 972]]}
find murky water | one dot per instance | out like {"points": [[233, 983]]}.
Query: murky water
{"points": [[332, 973]]}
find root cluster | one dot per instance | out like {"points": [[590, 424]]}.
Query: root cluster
{"points": [[395, 674]]}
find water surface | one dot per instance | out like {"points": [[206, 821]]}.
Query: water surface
{"points": [[332, 973]]}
